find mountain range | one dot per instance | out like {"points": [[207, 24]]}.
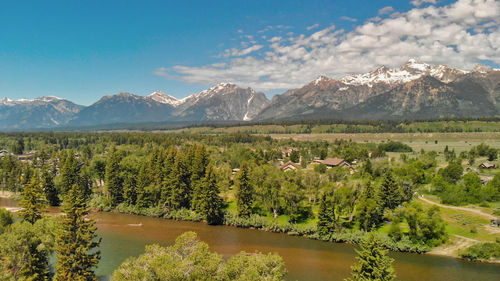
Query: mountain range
{"points": [[416, 90]]}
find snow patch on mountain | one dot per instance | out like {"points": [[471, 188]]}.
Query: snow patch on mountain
{"points": [[161, 97], [410, 71]]}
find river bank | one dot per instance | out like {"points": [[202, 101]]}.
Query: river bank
{"points": [[125, 235], [450, 249]]}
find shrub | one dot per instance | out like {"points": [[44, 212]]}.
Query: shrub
{"points": [[481, 251]]}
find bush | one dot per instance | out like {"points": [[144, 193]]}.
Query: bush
{"points": [[394, 146], [481, 251]]}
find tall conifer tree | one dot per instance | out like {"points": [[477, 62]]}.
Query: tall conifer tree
{"points": [[49, 188], [113, 177], [326, 215], [70, 172], [77, 243], [372, 262], [210, 204], [244, 195], [33, 201]]}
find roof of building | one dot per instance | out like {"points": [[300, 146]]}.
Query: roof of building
{"points": [[331, 161], [487, 165], [290, 163]]}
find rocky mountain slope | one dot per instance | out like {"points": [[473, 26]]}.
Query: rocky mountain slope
{"points": [[414, 91], [44, 112], [223, 102]]}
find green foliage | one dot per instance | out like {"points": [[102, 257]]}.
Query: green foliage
{"points": [[390, 195], [49, 188], [77, 242], [452, 173], [6, 219], [33, 201], [320, 168], [25, 249], [372, 262], [393, 146], [210, 204], [244, 195], [426, 226], [257, 266], [191, 259], [481, 251], [113, 177], [326, 215]]}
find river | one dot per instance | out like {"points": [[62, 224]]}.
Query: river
{"points": [[125, 235]]}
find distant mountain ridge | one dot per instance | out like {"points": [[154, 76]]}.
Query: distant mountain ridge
{"points": [[416, 90]]}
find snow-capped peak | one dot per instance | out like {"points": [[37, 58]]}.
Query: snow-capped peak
{"points": [[161, 97], [482, 68], [47, 99], [411, 70], [221, 88], [320, 79], [413, 64]]}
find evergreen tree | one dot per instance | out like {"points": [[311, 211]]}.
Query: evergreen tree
{"points": [[130, 189], [198, 169], [326, 215], [390, 193], [143, 181], [51, 192], [33, 201], [168, 176], [113, 177], [179, 184], [244, 195], [373, 262], [210, 204], [70, 172], [77, 242]]}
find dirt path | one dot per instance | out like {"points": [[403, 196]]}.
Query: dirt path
{"points": [[465, 209], [456, 244]]}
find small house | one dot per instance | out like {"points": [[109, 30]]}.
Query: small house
{"points": [[332, 162], [4, 153], [487, 165], [289, 166], [495, 222]]}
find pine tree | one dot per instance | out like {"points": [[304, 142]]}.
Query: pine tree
{"points": [[326, 215], [49, 188], [372, 262], [244, 195], [210, 204], [130, 189], [113, 177], [390, 193], [179, 184], [198, 170], [77, 242], [167, 170], [143, 181], [70, 172], [33, 201]]}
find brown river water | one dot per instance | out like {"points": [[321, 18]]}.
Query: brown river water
{"points": [[125, 235]]}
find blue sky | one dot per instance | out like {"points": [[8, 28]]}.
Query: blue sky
{"points": [[82, 50]]}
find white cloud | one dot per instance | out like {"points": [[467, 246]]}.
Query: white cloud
{"points": [[417, 3], [459, 35], [312, 26], [348, 18], [385, 10]]}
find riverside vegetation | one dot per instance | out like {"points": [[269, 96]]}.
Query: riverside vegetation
{"points": [[232, 179]]}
